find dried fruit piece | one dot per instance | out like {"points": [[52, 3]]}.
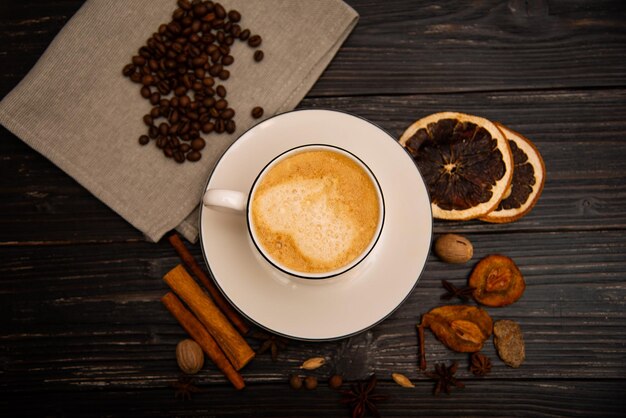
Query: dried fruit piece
{"points": [[497, 281], [461, 328], [466, 162], [509, 342], [529, 175], [313, 363], [453, 248], [402, 380]]}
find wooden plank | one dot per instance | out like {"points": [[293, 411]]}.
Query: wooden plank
{"points": [[577, 398], [89, 315], [579, 133], [408, 47]]}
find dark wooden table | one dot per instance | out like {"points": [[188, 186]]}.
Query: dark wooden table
{"points": [[83, 331]]}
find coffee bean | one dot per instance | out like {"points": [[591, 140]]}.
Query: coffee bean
{"points": [[135, 77], [184, 4], [155, 98], [257, 112], [220, 127], [147, 80], [155, 112], [235, 30], [230, 126], [147, 119], [128, 70], [234, 16], [153, 132], [138, 60], [254, 41], [184, 101], [244, 35], [179, 156], [168, 152], [221, 104], [197, 144], [224, 75], [194, 156], [217, 23], [219, 10], [227, 114], [145, 92], [214, 112], [180, 91], [144, 139], [227, 60], [215, 69], [208, 102], [164, 128], [200, 10], [221, 91], [161, 142]]}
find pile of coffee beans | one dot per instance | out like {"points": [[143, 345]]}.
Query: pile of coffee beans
{"points": [[180, 70]]}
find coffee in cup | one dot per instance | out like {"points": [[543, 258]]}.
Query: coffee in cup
{"points": [[315, 211]]}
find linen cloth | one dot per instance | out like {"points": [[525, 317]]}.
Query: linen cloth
{"points": [[77, 109]]}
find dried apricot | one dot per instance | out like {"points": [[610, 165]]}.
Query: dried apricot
{"points": [[461, 328], [497, 281]]}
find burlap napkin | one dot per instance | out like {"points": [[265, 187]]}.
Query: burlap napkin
{"points": [[77, 109]]}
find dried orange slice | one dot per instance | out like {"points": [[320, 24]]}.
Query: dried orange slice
{"points": [[466, 162], [529, 176]]}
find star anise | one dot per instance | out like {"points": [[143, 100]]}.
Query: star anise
{"points": [[361, 399], [185, 387], [444, 376], [463, 293], [269, 342], [479, 365]]}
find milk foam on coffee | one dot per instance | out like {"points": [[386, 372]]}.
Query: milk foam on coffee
{"points": [[315, 211]]}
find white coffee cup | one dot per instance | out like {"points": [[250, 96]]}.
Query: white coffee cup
{"points": [[308, 200]]}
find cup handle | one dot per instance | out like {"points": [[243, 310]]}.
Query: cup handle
{"points": [[224, 200]]}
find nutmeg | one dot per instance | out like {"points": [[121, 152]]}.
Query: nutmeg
{"points": [[189, 356], [453, 248]]}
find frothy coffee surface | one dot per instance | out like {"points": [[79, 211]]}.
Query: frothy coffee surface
{"points": [[315, 211]]}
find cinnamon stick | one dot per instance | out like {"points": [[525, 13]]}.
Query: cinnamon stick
{"points": [[230, 341], [217, 296], [422, 344], [197, 331]]}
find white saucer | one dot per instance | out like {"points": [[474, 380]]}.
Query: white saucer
{"points": [[347, 304]]}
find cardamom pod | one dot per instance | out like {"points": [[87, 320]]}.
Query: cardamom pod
{"points": [[313, 363], [402, 380]]}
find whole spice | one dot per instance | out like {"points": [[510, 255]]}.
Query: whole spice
{"points": [[270, 342], [480, 365], [230, 341], [189, 356], [295, 381], [198, 332], [463, 293], [184, 387], [310, 382], [453, 248], [444, 376], [335, 381], [361, 398], [313, 363], [461, 328], [402, 380], [197, 271], [509, 342], [497, 281]]}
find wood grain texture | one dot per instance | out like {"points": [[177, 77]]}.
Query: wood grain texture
{"points": [[83, 332], [579, 133]]}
